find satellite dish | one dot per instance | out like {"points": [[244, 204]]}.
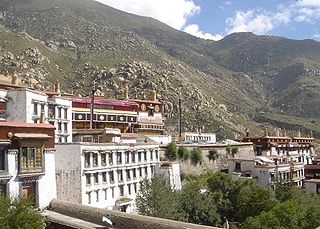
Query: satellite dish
{"points": [[106, 220]]}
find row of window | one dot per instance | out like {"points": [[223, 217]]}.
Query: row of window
{"points": [[51, 110], [92, 158], [128, 173], [102, 195]]}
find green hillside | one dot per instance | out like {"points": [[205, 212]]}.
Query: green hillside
{"points": [[232, 83]]}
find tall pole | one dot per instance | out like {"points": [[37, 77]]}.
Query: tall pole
{"points": [[180, 118], [92, 104]]}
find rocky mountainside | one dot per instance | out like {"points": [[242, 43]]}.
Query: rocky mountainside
{"points": [[242, 81]]}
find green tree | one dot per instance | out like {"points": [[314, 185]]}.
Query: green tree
{"points": [[199, 205], [19, 213], [155, 198], [234, 150], [171, 152], [196, 156], [183, 153], [213, 155]]}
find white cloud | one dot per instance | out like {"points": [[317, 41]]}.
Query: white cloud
{"points": [[195, 31], [307, 11], [257, 21], [172, 12]]}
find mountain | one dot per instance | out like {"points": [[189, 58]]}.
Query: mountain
{"points": [[242, 81]]}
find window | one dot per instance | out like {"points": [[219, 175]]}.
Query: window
{"points": [[140, 172], [139, 156], [133, 157], [134, 173], [119, 159], [96, 178], [65, 139], [89, 197], [42, 108], [97, 196], [95, 159], [128, 174], [87, 160], [111, 177], [112, 192], [51, 111], [238, 166], [65, 127], [145, 155], [103, 159], [2, 157], [104, 177], [259, 151], [88, 179], [127, 156], [59, 112], [35, 108], [146, 171], [110, 158], [129, 189], [105, 193], [151, 155], [135, 187], [120, 176], [157, 154], [151, 112], [152, 170], [65, 113], [87, 139], [30, 159], [121, 190], [59, 126]]}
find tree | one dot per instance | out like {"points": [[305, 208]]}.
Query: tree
{"points": [[250, 199], [183, 153], [213, 155], [19, 213], [198, 205], [171, 152], [155, 198], [234, 150], [196, 156]]}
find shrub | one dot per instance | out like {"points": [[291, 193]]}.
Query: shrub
{"points": [[213, 155], [196, 156], [183, 153], [171, 152], [234, 150]]}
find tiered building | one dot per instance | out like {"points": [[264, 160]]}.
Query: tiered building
{"points": [[279, 160]]}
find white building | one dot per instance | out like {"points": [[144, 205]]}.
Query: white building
{"points": [[30, 106], [27, 166], [104, 175], [267, 172], [198, 137], [170, 171]]}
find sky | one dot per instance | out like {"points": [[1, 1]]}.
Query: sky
{"points": [[214, 19]]}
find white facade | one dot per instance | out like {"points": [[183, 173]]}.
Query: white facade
{"points": [[104, 175], [199, 137], [25, 105], [12, 182], [266, 172], [171, 172]]}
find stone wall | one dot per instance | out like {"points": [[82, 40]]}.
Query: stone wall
{"points": [[245, 151], [120, 220]]}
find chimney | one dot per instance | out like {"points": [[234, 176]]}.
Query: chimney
{"points": [[266, 131], [14, 80], [57, 87], [126, 92], [154, 95], [299, 133]]}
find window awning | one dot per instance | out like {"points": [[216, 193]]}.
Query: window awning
{"points": [[31, 135]]}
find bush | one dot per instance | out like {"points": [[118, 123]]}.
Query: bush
{"points": [[213, 155], [183, 153], [196, 156], [171, 152], [234, 150]]}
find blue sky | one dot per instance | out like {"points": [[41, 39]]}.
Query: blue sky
{"points": [[214, 19]]}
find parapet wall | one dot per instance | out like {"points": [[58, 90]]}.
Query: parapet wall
{"points": [[245, 151], [120, 220]]}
